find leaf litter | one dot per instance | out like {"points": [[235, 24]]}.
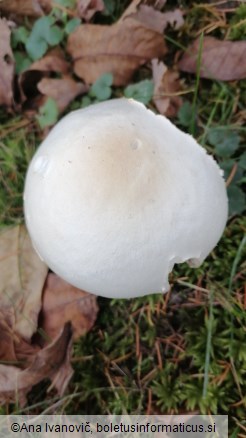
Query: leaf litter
{"points": [[37, 83], [40, 316], [221, 60], [31, 8], [120, 48], [6, 65], [167, 87]]}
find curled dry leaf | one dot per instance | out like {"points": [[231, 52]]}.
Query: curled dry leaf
{"points": [[36, 84], [24, 7], [63, 90], [52, 362], [62, 303], [7, 350], [6, 65], [53, 61], [118, 49], [24, 360], [221, 60], [167, 86], [86, 9], [22, 276], [158, 20], [174, 18]]}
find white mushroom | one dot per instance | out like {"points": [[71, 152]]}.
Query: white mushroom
{"points": [[116, 195]]}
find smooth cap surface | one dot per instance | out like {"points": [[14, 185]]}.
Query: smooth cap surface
{"points": [[116, 195]]}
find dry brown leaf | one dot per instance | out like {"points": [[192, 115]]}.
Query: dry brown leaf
{"points": [[174, 18], [53, 61], [118, 49], [167, 85], [62, 303], [36, 84], [63, 90], [7, 350], [24, 361], [221, 60], [6, 65], [21, 7], [52, 362], [157, 20], [86, 9], [22, 276], [13, 348]]}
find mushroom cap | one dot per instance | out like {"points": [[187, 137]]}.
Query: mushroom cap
{"points": [[116, 195]]}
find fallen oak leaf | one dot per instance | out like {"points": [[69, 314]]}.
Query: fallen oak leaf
{"points": [[53, 61], [63, 90], [20, 306], [6, 65], [36, 85], [174, 18], [158, 20], [220, 60], [22, 276], [118, 49], [63, 303], [7, 350], [13, 348], [52, 362], [167, 85], [30, 8]]}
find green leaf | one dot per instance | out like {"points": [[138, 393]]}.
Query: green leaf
{"points": [[54, 36], [22, 62], [48, 113], [242, 161], [227, 166], [44, 33], [142, 91], [72, 24], [185, 114], [85, 101], [101, 89], [226, 142], [19, 35], [36, 44], [237, 201]]}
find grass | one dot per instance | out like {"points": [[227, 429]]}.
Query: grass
{"points": [[181, 352]]}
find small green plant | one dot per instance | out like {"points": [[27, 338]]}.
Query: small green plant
{"points": [[142, 91], [45, 33], [185, 114], [238, 24], [48, 113], [226, 144], [101, 89]]}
